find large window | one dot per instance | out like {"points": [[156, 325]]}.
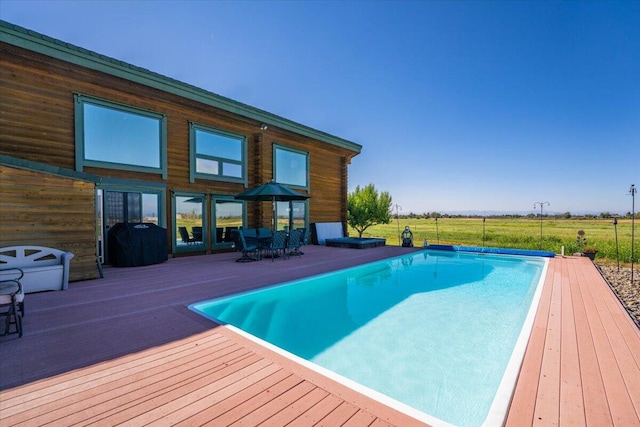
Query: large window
{"points": [[189, 220], [114, 136], [217, 155], [291, 166]]}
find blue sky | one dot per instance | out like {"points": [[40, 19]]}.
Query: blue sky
{"points": [[459, 106]]}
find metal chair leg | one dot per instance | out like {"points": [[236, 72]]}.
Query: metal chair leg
{"points": [[13, 318], [18, 323]]}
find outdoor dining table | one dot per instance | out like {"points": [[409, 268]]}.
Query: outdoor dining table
{"points": [[269, 243]]}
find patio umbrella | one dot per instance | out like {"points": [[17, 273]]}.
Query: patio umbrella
{"points": [[194, 200], [274, 192]]}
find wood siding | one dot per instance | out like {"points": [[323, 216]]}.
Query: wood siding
{"points": [[40, 209], [37, 122]]}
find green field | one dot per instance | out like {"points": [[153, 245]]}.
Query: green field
{"points": [[523, 233]]}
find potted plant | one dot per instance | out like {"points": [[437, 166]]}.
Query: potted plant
{"points": [[590, 252]]}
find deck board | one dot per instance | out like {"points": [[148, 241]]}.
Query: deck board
{"points": [[320, 410], [287, 413], [571, 405], [549, 382], [246, 408], [169, 366], [596, 408], [340, 415]]}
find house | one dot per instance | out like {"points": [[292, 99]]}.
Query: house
{"points": [[87, 141]]}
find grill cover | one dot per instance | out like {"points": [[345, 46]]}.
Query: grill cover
{"points": [[132, 245]]}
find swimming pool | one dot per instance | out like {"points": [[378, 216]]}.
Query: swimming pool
{"points": [[439, 335]]}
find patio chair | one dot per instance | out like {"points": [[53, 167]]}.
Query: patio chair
{"points": [[264, 238], [250, 234], [296, 240], [12, 299], [184, 235], [251, 237], [246, 248], [278, 244]]}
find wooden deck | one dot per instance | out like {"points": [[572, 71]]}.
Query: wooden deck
{"points": [[582, 365], [125, 349]]}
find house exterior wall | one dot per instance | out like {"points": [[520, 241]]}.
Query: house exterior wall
{"points": [[41, 209], [37, 122]]}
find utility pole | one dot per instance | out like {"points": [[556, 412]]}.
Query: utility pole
{"points": [[615, 229], [541, 208], [633, 192]]}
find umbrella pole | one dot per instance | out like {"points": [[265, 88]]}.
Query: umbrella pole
{"points": [[273, 213], [290, 215]]}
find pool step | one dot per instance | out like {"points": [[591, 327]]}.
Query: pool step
{"points": [[226, 311], [258, 320], [236, 314]]}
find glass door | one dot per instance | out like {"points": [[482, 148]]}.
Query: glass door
{"points": [[190, 222], [123, 206], [291, 215], [228, 215]]}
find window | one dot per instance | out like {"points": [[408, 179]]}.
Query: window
{"points": [[189, 221], [216, 154], [294, 215], [228, 215], [291, 167], [114, 136], [150, 203]]}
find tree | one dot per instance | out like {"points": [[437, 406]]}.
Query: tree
{"points": [[366, 207]]}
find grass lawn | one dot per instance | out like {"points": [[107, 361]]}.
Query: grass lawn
{"points": [[523, 233]]}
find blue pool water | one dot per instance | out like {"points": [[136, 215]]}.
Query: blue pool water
{"points": [[432, 330]]}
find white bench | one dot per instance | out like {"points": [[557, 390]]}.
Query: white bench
{"points": [[45, 269]]}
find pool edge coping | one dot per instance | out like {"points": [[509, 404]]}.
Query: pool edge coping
{"points": [[499, 408]]}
